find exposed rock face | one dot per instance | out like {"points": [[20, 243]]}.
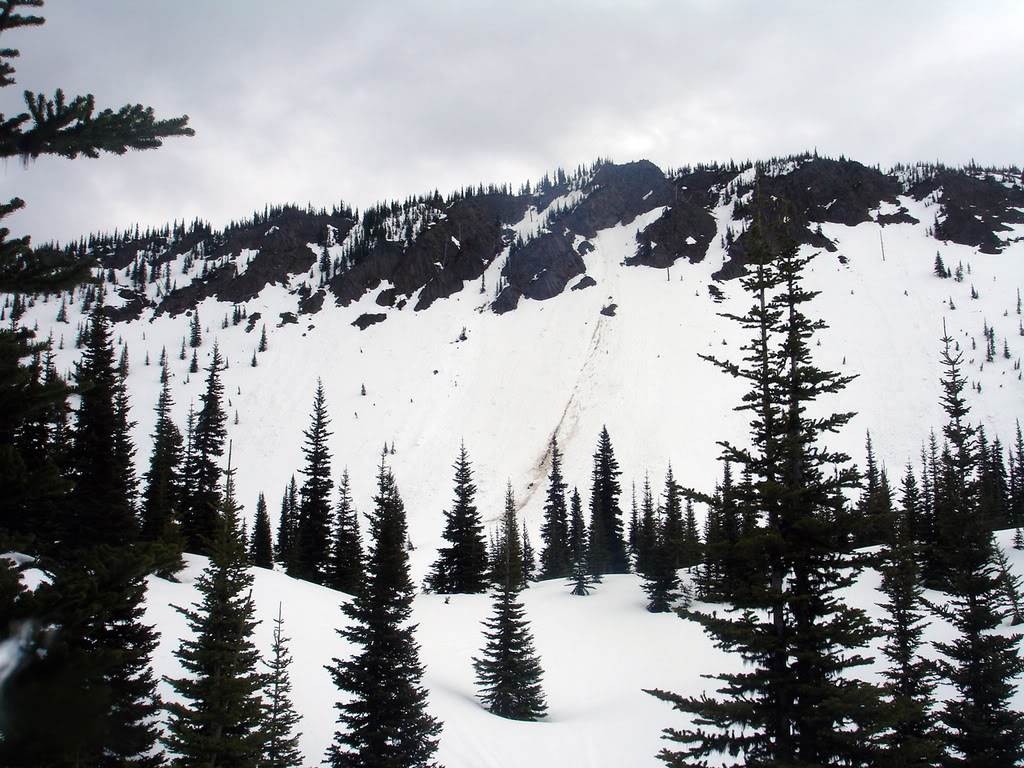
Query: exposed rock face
{"points": [[366, 319], [447, 254], [817, 190], [430, 248], [973, 209]]}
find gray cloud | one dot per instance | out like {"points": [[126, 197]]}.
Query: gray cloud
{"points": [[317, 101]]}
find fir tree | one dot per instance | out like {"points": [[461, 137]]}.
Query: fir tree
{"points": [[508, 671], [578, 573], [101, 500], [383, 720], [195, 335], [261, 549], [978, 663], [281, 743], [314, 524], [202, 498], [647, 529], [347, 555], [529, 561], [607, 547], [220, 721], [286, 525], [263, 340], [911, 737], [793, 703], [461, 567], [554, 557], [507, 560], [162, 496]]}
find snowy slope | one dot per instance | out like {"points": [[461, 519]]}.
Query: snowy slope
{"points": [[598, 653], [561, 367]]}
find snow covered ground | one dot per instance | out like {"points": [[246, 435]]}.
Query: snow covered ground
{"points": [[598, 653], [562, 368]]}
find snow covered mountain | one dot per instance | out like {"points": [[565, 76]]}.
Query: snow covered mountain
{"points": [[500, 319]]}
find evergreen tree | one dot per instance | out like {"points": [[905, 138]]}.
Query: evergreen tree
{"points": [[384, 722], [286, 526], [220, 721], [692, 551], [281, 743], [89, 669], [347, 555], [195, 335], [647, 529], [793, 703], [529, 561], [911, 737], [314, 524], [202, 497], [163, 484], [461, 567], [507, 561], [263, 340], [508, 670], [672, 524], [261, 550], [101, 501], [578, 573], [979, 663], [554, 557], [607, 547]]}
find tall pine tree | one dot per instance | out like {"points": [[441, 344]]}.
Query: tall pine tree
{"points": [[607, 547], [508, 670], [793, 703], [347, 555], [384, 722], [554, 532], [281, 742], [461, 566], [220, 719], [315, 524]]}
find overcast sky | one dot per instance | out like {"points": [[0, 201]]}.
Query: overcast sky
{"points": [[322, 100]]}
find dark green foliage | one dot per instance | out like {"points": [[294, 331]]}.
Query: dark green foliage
{"points": [[347, 556], [606, 545], [461, 566], [313, 531], [281, 743], [910, 736], [875, 507], [86, 666], [195, 334], [508, 671], [162, 496], [286, 526], [263, 340], [100, 505], [794, 702], [647, 529], [529, 561], [671, 533], [33, 440], [978, 663], [221, 720], [507, 558], [384, 722], [261, 549], [579, 574], [554, 532], [202, 495]]}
